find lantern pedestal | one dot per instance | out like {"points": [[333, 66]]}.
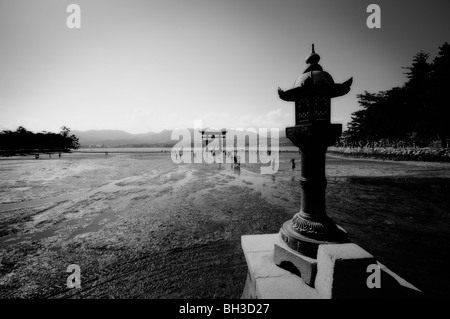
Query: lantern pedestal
{"points": [[311, 227]]}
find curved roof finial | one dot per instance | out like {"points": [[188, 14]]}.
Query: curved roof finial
{"points": [[313, 58], [313, 61]]}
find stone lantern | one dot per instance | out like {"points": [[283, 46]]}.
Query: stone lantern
{"points": [[310, 244], [312, 133]]}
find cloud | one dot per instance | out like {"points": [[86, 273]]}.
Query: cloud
{"points": [[273, 119], [143, 120]]}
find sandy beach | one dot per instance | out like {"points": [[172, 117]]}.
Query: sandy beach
{"points": [[140, 226]]}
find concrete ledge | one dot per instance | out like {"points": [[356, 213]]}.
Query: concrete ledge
{"points": [[402, 282], [342, 272], [289, 259], [265, 280]]}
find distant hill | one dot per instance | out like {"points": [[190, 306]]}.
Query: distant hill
{"points": [[118, 138]]}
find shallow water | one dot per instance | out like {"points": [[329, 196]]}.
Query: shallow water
{"points": [[108, 188], [126, 217]]}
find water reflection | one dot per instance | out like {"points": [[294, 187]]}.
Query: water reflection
{"points": [[237, 169]]}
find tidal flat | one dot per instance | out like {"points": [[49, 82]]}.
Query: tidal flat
{"points": [[140, 226]]}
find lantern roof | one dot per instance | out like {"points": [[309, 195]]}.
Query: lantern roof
{"points": [[313, 74], [315, 81]]}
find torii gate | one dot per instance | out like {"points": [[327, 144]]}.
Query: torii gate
{"points": [[206, 134]]}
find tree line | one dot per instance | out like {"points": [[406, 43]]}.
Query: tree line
{"points": [[22, 141], [416, 114]]}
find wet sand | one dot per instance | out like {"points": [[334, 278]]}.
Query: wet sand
{"points": [[140, 226]]}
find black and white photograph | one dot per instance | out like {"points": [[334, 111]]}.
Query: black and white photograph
{"points": [[240, 150]]}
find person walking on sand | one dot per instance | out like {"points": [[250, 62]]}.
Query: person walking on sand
{"points": [[237, 162], [237, 165], [59, 155], [293, 163]]}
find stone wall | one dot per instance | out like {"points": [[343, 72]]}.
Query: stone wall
{"points": [[342, 273], [395, 154]]}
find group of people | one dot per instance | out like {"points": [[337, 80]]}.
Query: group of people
{"points": [[233, 155]]}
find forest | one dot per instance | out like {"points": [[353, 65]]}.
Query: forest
{"points": [[21, 142], [416, 114]]}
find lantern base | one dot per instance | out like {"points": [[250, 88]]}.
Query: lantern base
{"points": [[307, 245]]}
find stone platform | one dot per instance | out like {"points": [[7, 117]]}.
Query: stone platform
{"points": [[340, 271]]}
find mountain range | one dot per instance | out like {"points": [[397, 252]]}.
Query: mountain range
{"points": [[119, 138]]}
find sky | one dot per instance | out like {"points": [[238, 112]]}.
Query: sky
{"points": [[143, 66]]}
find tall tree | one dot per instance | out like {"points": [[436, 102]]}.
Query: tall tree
{"points": [[418, 92], [418, 112], [440, 79]]}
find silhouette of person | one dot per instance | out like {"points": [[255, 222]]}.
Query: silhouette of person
{"points": [[293, 163], [237, 163]]}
